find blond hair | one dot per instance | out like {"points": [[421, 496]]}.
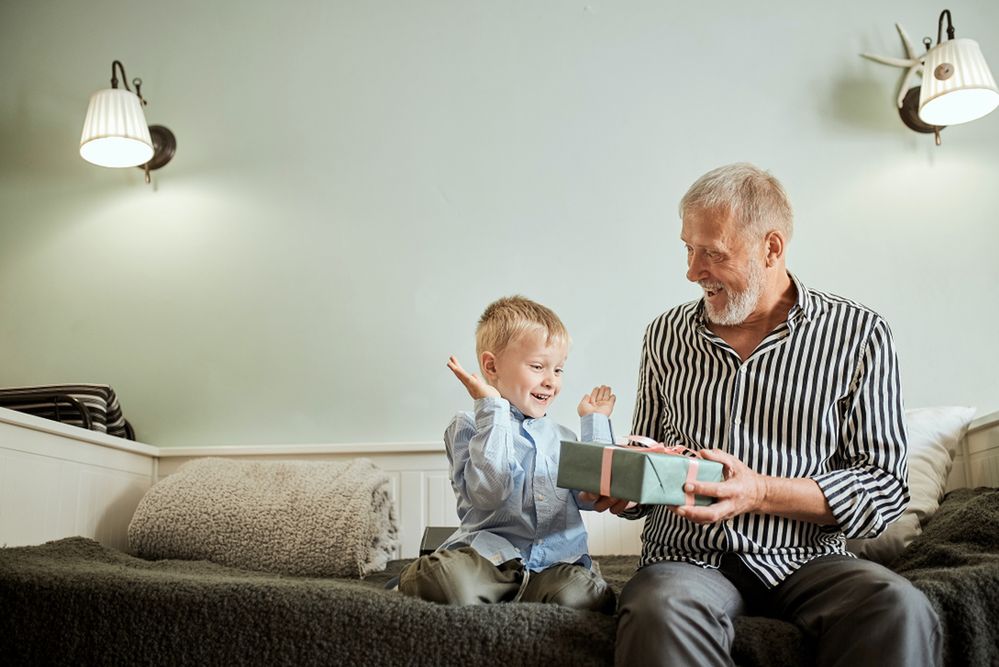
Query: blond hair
{"points": [[755, 198], [506, 319]]}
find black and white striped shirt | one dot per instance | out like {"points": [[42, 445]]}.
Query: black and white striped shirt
{"points": [[818, 398]]}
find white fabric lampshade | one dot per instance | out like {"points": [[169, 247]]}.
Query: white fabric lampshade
{"points": [[115, 133], [957, 84]]}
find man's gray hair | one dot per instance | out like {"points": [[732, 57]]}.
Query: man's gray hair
{"points": [[754, 197]]}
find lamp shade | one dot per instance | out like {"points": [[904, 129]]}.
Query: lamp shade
{"points": [[957, 84], [115, 133]]}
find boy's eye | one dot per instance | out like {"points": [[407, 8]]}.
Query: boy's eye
{"points": [[558, 371], [536, 367]]}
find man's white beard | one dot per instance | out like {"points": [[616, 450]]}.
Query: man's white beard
{"points": [[739, 305]]}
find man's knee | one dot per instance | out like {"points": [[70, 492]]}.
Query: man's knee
{"points": [[902, 602], [669, 599]]}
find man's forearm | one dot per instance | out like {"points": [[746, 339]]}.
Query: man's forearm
{"points": [[796, 498]]}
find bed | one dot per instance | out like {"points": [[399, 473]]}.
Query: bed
{"points": [[77, 600]]}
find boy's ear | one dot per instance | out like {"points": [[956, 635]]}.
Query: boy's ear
{"points": [[487, 362]]}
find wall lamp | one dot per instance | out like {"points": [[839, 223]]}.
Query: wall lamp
{"points": [[957, 86], [115, 133]]}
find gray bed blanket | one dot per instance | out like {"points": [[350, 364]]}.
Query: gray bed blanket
{"points": [[75, 602]]}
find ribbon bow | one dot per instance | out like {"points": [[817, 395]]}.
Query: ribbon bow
{"points": [[646, 446]]}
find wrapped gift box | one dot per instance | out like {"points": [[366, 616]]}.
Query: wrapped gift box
{"points": [[635, 472]]}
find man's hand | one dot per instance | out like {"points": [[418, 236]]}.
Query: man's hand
{"points": [[604, 503], [599, 400], [742, 492], [476, 386]]}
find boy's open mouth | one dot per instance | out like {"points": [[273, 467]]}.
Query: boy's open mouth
{"points": [[542, 397]]}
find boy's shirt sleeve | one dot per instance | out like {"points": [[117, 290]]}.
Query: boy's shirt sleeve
{"points": [[595, 428], [481, 451]]}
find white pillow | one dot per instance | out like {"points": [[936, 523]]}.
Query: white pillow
{"points": [[934, 434]]}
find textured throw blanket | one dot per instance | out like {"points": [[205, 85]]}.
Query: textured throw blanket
{"points": [[76, 602], [955, 562], [327, 519]]}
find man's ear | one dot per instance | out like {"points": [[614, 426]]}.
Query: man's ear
{"points": [[487, 362], [775, 247]]}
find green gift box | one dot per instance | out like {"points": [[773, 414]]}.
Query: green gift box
{"points": [[635, 473]]}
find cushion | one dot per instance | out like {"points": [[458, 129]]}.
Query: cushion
{"points": [[326, 518], [934, 436]]}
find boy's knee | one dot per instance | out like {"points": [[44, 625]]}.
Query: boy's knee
{"points": [[576, 587], [441, 577]]}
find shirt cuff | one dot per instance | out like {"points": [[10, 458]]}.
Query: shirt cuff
{"points": [[488, 409], [850, 504], [595, 428]]}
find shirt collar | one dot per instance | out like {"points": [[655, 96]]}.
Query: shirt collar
{"points": [[520, 416], [804, 305]]}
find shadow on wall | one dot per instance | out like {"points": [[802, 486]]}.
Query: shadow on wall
{"points": [[861, 103]]}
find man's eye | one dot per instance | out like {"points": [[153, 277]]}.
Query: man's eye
{"points": [[558, 371]]}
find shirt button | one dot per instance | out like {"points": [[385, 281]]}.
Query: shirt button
{"points": [[540, 497], [742, 369], [737, 421]]}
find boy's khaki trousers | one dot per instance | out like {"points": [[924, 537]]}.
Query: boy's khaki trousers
{"points": [[461, 576]]}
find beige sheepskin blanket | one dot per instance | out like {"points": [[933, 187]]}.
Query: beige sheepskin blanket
{"points": [[326, 519]]}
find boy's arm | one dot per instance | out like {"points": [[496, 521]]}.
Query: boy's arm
{"points": [[483, 465]]}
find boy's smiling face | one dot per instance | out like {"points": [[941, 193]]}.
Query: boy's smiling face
{"points": [[528, 373]]}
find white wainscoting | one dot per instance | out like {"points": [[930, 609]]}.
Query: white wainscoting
{"points": [[58, 481]]}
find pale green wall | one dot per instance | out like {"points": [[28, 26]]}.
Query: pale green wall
{"points": [[356, 180]]}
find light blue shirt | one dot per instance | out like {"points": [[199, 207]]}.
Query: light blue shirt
{"points": [[504, 468]]}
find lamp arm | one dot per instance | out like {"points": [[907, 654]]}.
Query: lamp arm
{"points": [[114, 79], [950, 26], [137, 82]]}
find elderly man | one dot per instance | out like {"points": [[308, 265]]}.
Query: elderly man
{"points": [[797, 393]]}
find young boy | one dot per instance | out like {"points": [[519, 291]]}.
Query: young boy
{"points": [[521, 537]]}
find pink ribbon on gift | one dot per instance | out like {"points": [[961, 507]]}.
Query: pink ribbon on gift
{"points": [[646, 446]]}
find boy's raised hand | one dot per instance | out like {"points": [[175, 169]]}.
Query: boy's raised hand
{"points": [[476, 386], [599, 400]]}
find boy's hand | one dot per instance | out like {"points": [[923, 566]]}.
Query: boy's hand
{"points": [[476, 386], [604, 503], [599, 400]]}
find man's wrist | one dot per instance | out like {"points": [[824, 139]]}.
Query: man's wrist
{"points": [[766, 493]]}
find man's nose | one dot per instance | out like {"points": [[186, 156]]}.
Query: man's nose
{"points": [[695, 268]]}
